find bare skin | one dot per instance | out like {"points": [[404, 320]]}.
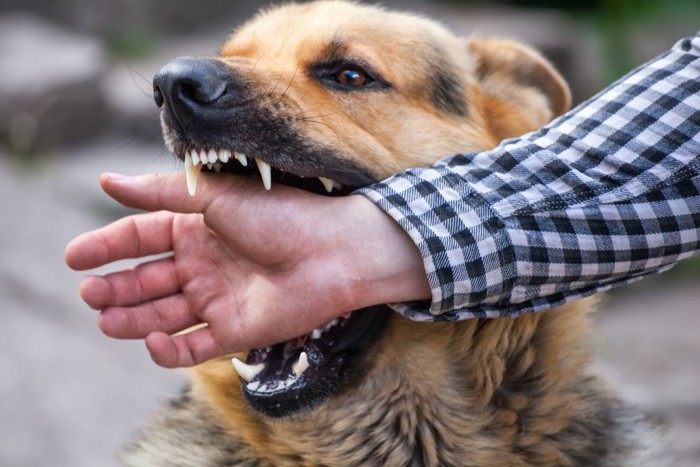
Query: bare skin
{"points": [[257, 267]]}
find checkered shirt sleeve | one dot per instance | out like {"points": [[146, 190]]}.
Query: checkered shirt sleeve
{"points": [[604, 195]]}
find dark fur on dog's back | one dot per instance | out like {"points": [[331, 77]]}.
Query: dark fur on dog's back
{"points": [[499, 392]]}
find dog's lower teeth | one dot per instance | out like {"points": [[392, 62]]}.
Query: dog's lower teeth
{"points": [[301, 365], [245, 371]]}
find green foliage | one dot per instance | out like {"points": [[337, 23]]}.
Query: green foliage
{"points": [[131, 43]]}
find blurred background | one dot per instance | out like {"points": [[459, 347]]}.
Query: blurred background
{"points": [[75, 100]]}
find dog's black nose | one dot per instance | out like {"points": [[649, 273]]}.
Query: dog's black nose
{"points": [[190, 83]]}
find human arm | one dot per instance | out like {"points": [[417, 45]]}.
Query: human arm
{"points": [[602, 196]]}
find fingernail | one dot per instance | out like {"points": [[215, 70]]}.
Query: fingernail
{"points": [[114, 176]]}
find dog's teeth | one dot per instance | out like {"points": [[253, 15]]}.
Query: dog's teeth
{"points": [[245, 371], [191, 173], [265, 173], [217, 167], [241, 158], [316, 334], [195, 157], [213, 156], [224, 155], [210, 165], [331, 324], [203, 158], [327, 183], [301, 365]]}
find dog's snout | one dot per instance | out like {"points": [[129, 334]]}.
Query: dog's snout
{"points": [[191, 84]]}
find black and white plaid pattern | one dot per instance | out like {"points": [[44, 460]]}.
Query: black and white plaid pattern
{"points": [[606, 194]]}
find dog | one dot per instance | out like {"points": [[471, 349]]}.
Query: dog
{"points": [[329, 96]]}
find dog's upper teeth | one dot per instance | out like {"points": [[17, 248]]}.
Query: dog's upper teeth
{"points": [[316, 334], [224, 155], [327, 183], [245, 371], [194, 157], [301, 365], [241, 158], [192, 171], [213, 156], [265, 173]]}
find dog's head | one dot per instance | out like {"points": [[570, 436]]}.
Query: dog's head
{"points": [[329, 96]]}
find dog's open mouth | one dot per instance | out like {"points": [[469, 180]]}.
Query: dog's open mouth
{"points": [[297, 375]]}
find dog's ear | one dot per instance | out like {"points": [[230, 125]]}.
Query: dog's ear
{"points": [[519, 84]]}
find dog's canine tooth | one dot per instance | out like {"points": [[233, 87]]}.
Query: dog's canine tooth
{"points": [[327, 183], [245, 371], [224, 155], [191, 173], [301, 365], [265, 173], [212, 156], [241, 158]]}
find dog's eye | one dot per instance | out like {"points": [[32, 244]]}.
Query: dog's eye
{"points": [[351, 76], [348, 76]]}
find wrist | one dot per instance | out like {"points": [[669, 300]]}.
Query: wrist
{"points": [[384, 264]]}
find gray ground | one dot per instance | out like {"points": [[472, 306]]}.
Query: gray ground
{"points": [[69, 396]]}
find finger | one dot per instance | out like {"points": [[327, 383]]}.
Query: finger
{"points": [[147, 281], [184, 350], [131, 237], [168, 191], [169, 315]]}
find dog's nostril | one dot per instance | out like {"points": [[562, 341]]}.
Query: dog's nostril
{"points": [[158, 96], [202, 92]]}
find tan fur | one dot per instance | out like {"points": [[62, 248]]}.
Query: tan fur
{"points": [[499, 392]]}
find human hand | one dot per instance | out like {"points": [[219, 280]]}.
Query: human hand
{"points": [[257, 267]]}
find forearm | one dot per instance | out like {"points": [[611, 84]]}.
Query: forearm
{"points": [[603, 195]]}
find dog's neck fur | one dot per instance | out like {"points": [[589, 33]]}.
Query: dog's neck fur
{"points": [[486, 392]]}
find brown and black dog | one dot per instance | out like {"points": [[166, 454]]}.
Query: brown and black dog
{"points": [[329, 96]]}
